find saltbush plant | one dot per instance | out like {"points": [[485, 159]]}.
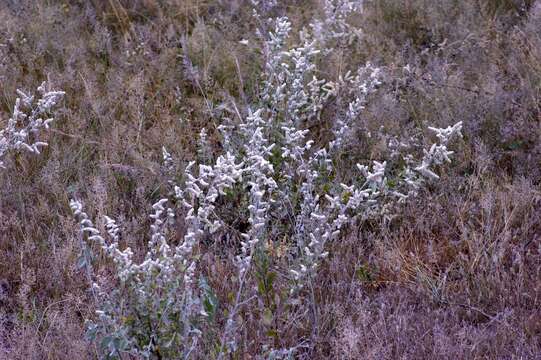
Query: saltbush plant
{"points": [[278, 180], [30, 116]]}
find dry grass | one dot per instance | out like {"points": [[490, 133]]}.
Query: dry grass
{"points": [[456, 275]]}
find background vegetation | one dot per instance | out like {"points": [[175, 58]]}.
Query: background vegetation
{"points": [[456, 274]]}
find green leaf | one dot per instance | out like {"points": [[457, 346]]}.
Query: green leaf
{"points": [[363, 273], [105, 342], [210, 300], [91, 332], [514, 145], [261, 287], [267, 317]]}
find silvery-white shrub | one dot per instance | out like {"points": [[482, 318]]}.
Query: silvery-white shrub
{"points": [[31, 115], [285, 186]]}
